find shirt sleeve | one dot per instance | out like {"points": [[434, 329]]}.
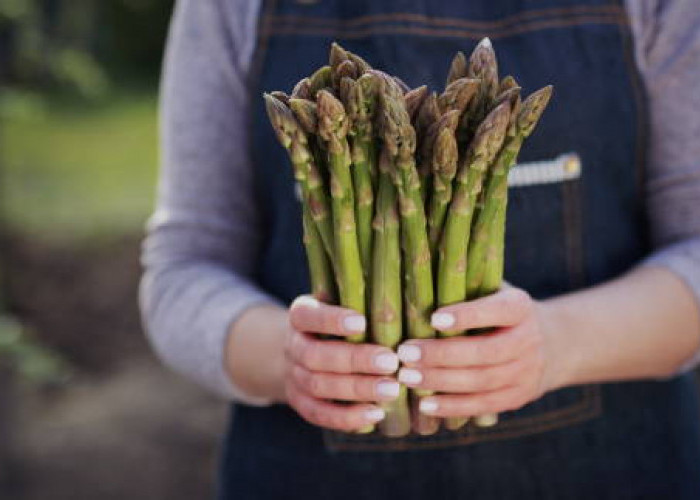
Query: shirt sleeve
{"points": [[199, 253], [667, 45]]}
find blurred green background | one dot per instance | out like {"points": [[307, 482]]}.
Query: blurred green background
{"points": [[85, 409]]}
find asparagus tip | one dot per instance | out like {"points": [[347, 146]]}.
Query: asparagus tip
{"points": [[532, 109]]}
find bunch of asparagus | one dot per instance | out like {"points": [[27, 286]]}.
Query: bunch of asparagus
{"points": [[404, 193]]}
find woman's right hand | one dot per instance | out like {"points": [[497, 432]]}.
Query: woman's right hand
{"points": [[319, 373]]}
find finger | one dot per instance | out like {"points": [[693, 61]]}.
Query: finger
{"points": [[457, 380], [306, 314], [501, 346], [507, 307], [336, 356], [345, 387], [467, 405], [332, 415]]}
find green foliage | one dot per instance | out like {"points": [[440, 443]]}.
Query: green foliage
{"points": [[80, 45], [73, 170], [33, 362]]}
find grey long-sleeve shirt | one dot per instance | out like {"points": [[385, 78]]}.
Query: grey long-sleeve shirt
{"points": [[205, 233]]}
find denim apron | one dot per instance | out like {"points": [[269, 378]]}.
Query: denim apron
{"points": [[619, 441]]}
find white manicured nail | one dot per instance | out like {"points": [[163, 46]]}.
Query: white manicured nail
{"points": [[428, 406], [387, 362], [442, 320], [355, 323], [409, 353], [410, 377], [308, 301], [388, 389], [375, 414]]}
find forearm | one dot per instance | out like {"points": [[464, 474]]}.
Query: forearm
{"points": [[254, 355], [642, 325]]}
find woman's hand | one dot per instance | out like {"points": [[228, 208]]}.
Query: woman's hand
{"points": [[488, 373], [318, 373]]}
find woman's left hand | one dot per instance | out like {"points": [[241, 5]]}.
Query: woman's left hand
{"points": [[488, 373]]}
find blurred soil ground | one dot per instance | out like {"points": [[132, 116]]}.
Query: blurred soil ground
{"points": [[122, 427]]}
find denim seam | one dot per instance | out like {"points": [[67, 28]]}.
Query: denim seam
{"points": [[455, 33], [527, 16], [588, 407]]}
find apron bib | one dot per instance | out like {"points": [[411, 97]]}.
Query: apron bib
{"points": [[633, 440]]}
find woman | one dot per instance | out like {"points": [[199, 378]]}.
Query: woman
{"points": [[595, 338]]}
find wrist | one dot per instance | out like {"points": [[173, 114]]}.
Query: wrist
{"points": [[254, 357], [561, 355]]}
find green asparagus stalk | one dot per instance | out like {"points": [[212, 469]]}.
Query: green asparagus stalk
{"points": [[427, 115], [444, 170], [426, 155], [400, 142], [361, 98], [293, 138], [456, 233], [483, 67], [333, 127], [386, 308], [320, 271], [497, 189]]}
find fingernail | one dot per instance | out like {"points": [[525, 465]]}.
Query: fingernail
{"points": [[308, 301], [442, 320], [388, 389], [410, 377], [355, 323], [428, 405], [409, 353], [387, 362], [375, 415]]}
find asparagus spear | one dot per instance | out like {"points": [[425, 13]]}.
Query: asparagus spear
{"points": [[333, 128], [458, 94], [386, 310], [484, 67], [414, 99], [497, 189], [320, 271], [322, 78], [449, 120], [292, 137], [361, 104], [427, 115], [302, 90], [444, 170], [400, 142], [458, 68], [455, 237], [438, 154]]}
